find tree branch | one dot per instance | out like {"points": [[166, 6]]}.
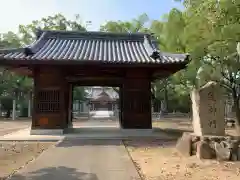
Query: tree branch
{"points": [[225, 76]]}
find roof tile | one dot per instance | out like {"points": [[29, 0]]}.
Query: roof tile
{"points": [[94, 46]]}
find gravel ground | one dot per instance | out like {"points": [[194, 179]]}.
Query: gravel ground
{"points": [[10, 126], [15, 155], [158, 160]]}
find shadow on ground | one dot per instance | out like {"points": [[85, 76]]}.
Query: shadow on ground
{"points": [[165, 136], [70, 142], [141, 143], [56, 173], [145, 144], [172, 133]]}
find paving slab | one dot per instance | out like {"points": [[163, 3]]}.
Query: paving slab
{"points": [[88, 133], [77, 159]]}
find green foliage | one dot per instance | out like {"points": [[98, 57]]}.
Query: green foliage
{"points": [[212, 37], [56, 22], [79, 94], [6, 102], [135, 25], [209, 31]]}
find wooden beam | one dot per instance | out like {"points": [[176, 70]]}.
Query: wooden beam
{"points": [[94, 72], [87, 78], [112, 83]]}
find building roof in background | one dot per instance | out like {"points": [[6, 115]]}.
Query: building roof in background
{"points": [[97, 92]]}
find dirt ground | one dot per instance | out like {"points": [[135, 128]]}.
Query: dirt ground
{"points": [[15, 155], [155, 159], [8, 126], [182, 124], [159, 160]]}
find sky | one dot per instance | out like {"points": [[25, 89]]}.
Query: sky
{"points": [[15, 12]]}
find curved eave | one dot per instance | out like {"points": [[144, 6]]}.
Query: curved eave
{"points": [[28, 50], [36, 45], [27, 56], [30, 62]]}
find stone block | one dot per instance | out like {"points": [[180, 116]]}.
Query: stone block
{"points": [[208, 110], [204, 150], [238, 153], [184, 144], [223, 153], [222, 148]]}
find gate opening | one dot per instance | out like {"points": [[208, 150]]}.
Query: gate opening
{"points": [[96, 107]]}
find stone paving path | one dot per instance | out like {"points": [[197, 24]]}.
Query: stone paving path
{"points": [[76, 159]]}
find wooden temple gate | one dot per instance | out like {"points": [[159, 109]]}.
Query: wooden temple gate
{"points": [[58, 60]]}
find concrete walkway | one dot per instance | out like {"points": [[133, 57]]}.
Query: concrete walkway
{"points": [[78, 159]]}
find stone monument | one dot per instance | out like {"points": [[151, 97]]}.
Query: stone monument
{"points": [[208, 110], [208, 141]]}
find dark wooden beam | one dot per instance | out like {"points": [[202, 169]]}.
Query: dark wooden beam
{"points": [[154, 71], [110, 83], [165, 72], [92, 77]]}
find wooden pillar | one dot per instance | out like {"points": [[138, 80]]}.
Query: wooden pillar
{"points": [[69, 105], [51, 94], [136, 101]]}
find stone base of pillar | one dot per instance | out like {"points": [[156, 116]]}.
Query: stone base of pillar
{"points": [[140, 123], [46, 132]]}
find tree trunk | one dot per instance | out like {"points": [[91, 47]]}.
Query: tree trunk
{"points": [[164, 103], [237, 111], [29, 107], [191, 111], [14, 110], [166, 99]]}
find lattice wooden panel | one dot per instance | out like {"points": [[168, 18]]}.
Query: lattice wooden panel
{"points": [[48, 101]]}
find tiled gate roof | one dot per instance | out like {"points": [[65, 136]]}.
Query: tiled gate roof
{"points": [[93, 46]]}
